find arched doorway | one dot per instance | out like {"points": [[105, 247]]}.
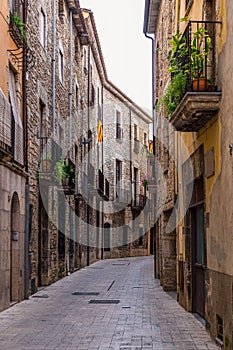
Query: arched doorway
{"points": [[14, 252]]}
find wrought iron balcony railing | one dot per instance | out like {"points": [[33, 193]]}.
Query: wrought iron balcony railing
{"points": [[139, 201], [200, 61]]}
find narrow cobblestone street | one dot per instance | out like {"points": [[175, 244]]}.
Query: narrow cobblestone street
{"points": [[143, 316]]}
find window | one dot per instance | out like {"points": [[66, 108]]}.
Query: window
{"points": [[135, 131], [119, 132], [76, 96], [145, 139], [118, 176], [220, 335], [17, 127], [42, 120], [85, 61], [99, 104], [136, 138], [42, 27], [135, 187], [61, 66], [92, 95]]}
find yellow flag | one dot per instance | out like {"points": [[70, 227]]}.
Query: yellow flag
{"points": [[100, 131], [151, 146]]}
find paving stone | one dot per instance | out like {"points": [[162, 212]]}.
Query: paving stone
{"points": [[64, 322]]}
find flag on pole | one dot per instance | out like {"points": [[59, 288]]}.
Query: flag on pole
{"points": [[100, 131]]}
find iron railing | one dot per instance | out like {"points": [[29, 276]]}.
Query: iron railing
{"points": [[203, 64], [139, 201]]}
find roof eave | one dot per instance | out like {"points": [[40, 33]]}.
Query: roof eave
{"points": [[151, 13]]}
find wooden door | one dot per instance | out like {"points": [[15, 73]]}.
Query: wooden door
{"points": [[198, 261]]}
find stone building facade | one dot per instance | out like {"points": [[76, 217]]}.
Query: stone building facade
{"points": [[115, 159], [68, 97], [62, 202], [12, 156], [202, 186]]}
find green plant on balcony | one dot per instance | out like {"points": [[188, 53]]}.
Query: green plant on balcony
{"points": [[15, 18], [145, 181], [64, 171], [185, 63], [200, 48], [174, 91]]}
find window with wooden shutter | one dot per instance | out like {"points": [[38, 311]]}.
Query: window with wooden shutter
{"points": [[17, 128]]}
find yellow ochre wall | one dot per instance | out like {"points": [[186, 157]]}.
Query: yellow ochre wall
{"points": [[5, 42]]}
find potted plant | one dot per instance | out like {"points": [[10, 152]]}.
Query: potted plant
{"points": [[17, 21], [65, 172], [174, 91], [200, 48], [145, 181]]}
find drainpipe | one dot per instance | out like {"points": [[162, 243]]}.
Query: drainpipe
{"points": [[70, 128], [54, 68], [88, 155], [102, 149], [27, 197], [71, 85], [154, 131]]}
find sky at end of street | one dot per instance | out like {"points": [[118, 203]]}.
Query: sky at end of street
{"points": [[126, 50]]}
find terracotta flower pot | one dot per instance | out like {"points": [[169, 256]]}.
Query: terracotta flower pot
{"points": [[200, 84]]}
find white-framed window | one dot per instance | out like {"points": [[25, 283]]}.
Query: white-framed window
{"points": [[42, 27], [61, 65]]}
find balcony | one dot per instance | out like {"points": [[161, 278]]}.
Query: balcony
{"points": [[123, 198], [200, 100], [17, 30], [138, 202], [68, 177]]}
